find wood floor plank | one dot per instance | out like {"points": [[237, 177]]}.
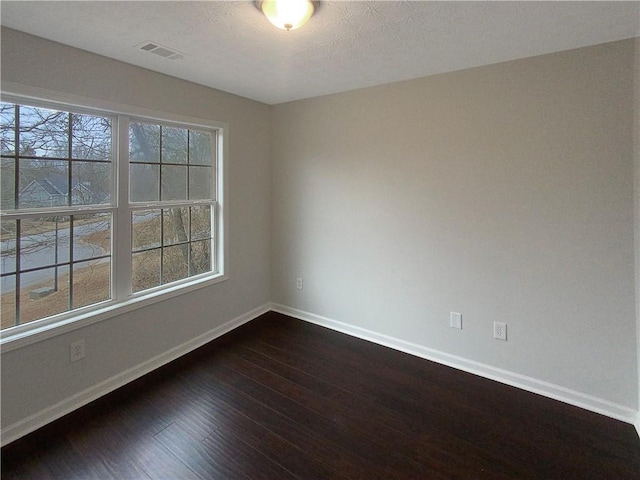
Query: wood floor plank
{"points": [[262, 429], [251, 461], [46, 457], [438, 453], [160, 463], [283, 399], [213, 408], [384, 422], [203, 458], [108, 451], [337, 421], [475, 426], [324, 443]]}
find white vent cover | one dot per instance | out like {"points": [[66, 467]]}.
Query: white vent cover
{"points": [[155, 48]]}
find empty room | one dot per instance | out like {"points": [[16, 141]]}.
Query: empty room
{"points": [[320, 240]]}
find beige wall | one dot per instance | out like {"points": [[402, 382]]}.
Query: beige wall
{"points": [[502, 192], [39, 376]]}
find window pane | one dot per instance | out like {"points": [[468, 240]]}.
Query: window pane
{"points": [[43, 183], [200, 257], [200, 222], [91, 236], [7, 187], [44, 242], [44, 132], [7, 129], [91, 183], [91, 282], [200, 183], [175, 225], [175, 261], [200, 148], [8, 301], [146, 270], [174, 145], [38, 295], [91, 137], [174, 183], [144, 183], [145, 229], [144, 142], [7, 247]]}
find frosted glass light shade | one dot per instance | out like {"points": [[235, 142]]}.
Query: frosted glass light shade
{"points": [[287, 14]]}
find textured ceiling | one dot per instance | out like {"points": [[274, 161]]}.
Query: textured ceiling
{"points": [[346, 45]]}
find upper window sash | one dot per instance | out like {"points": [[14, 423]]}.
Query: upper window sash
{"points": [[169, 163], [76, 148]]}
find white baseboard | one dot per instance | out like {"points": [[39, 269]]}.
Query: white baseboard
{"points": [[49, 414], [556, 392]]}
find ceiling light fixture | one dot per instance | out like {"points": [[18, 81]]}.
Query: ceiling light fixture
{"points": [[287, 14]]}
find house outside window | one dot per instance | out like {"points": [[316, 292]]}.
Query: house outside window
{"points": [[99, 209], [53, 191]]}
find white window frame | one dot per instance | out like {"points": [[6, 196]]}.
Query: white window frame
{"points": [[123, 300]]}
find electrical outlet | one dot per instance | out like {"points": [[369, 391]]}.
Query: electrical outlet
{"points": [[299, 283], [455, 320], [500, 330], [77, 350]]}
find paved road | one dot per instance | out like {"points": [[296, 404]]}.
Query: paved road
{"points": [[39, 251]]}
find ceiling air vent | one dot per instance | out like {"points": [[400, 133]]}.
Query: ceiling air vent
{"points": [[160, 50]]}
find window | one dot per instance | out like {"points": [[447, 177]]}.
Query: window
{"points": [[171, 170], [99, 209]]}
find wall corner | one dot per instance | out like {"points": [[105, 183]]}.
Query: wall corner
{"points": [[636, 203]]}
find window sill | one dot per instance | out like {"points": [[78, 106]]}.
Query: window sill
{"points": [[13, 340]]}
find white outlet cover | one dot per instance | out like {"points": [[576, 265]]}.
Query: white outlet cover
{"points": [[455, 319], [500, 331], [77, 350]]}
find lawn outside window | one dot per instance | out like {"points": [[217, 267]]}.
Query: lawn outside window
{"points": [[102, 209]]}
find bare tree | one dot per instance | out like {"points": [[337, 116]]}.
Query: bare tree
{"points": [[147, 147], [54, 158]]}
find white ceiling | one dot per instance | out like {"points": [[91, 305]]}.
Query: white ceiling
{"points": [[346, 45]]}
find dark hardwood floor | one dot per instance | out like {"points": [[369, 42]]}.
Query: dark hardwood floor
{"points": [[283, 399]]}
